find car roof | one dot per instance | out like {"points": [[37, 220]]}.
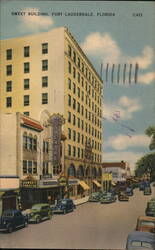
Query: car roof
{"points": [[148, 218], [141, 236], [40, 204]]}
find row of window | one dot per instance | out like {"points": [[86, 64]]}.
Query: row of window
{"points": [[80, 93], [26, 68], [26, 51], [82, 172], [30, 142], [29, 167], [80, 108], [77, 137], [77, 76], [26, 84], [82, 67], [80, 153], [26, 100], [80, 123]]}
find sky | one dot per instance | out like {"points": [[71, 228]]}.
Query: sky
{"points": [[110, 33]]}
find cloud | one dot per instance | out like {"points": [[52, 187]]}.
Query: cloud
{"points": [[130, 157], [124, 108], [122, 142], [147, 78], [36, 22], [103, 45]]}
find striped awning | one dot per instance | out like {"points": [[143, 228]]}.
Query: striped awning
{"points": [[84, 185], [96, 183]]}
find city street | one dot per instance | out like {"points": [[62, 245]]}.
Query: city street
{"points": [[90, 226]]}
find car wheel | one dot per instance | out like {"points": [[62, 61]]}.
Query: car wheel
{"points": [[38, 219], [10, 229], [25, 224]]}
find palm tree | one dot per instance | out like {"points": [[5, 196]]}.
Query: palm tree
{"points": [[150, 131]]}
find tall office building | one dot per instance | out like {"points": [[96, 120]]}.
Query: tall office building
{"points": [[48, 73]]}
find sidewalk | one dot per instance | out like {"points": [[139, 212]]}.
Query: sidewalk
{"points": [[81, 200]]}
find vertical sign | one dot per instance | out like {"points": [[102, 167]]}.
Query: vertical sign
{"points": [[56, 122]]}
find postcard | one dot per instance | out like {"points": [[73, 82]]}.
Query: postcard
{"points": [[77, 124]]}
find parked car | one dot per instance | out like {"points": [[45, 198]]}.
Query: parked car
{"points": [[122, 196], [146, 224], [39, 212], [140, 241], [147, 191], [94, 197], [150, 209], [107, 198], [129, 191], [12, 219], [64, 206]]}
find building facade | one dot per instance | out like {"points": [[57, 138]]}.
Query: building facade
{"points": [[49, 73]]}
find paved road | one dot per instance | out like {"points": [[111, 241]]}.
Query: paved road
{"points": [[91, 226]]}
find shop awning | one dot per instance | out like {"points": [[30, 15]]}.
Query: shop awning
{"points": [[97, 183], [84, 185]]}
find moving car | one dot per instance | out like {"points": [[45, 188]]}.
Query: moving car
{"points": [[140, 241], [39, 212], [147, 191], [94, 197], [129, 191], [64, 206], [146, 224], [107, 198], [150, 209], [12, 219], [122, 196]]}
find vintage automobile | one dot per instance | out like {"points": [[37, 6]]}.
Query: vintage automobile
{"points": [[140, 241], [94, 197], [146, 224], [40, 212], [147, 191], [64, 206], [122, 196], [107, 198], [129, 191], [12, 219], [150, 209]]}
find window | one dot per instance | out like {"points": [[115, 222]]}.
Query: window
{"points": [[69, 67], [69, 116], [44, 98], [74, 119], [44, 48], [74, 56], [45, 81], [24, 167], [82, 139], [26, 83], [45, 146], [30, 143], [9, 86], [30, 167], [82, 124], [35, 143], [78, 138], [26, 51], [78, 152], [8, 54], [26, 100], [82, 110], [74, 72], [78, 77], [69, 149], [78, 122], [74, 103], [69, 133], [26, 67], [74, 135], [8, 70], [74, 151], [78, 107], [26, 113], [82, 96], [79, 62], [34, 167], [74, 88], [78, 92], [45, 168], [82, 67], [69, 100], [69, 83], [44, 65], [69, 50], [9, 102]]}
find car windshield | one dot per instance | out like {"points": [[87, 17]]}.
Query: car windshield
{"points": [[35, 208], [63, 202], [147, 223], [142, 244], [8, 214]]}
